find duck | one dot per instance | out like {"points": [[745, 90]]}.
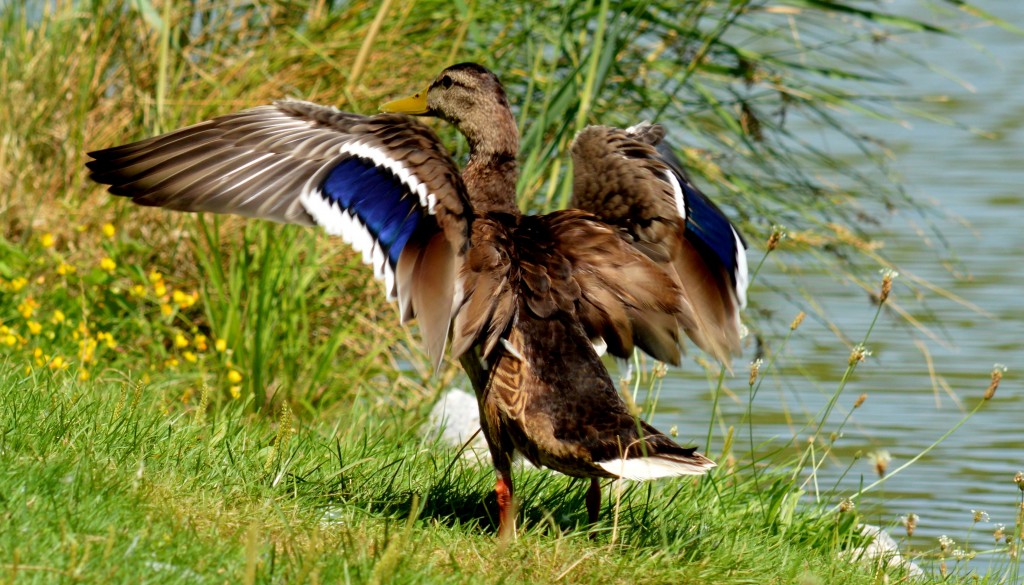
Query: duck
{"points": [[522, 301]]}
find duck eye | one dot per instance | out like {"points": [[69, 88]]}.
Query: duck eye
{"points": [[446, 82]]}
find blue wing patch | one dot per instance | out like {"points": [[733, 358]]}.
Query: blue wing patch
{"points": [[711, 229], [382, 202], [706, 226]]}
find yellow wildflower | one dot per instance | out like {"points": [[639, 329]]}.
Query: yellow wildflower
{"points": [[155, 277], [166, 309], [28, 307], [57, 363], [108, 230], [10, 339], [34, 327], [221, 345], [47, 240], [108, 264], [184, 300], [58, 317], [86, 350], [236, 392], [200, 341], [171, 363], [189, 357], [180, 341], [83, 375], [234, 377], [18, 283], [160, 288], [138, 290], [107, 338], [65, 269]]}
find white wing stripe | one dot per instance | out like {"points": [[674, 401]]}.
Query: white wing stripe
{"points": [[742, 278], [677, 192]]}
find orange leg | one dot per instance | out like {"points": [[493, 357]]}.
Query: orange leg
{"points": [[506, 507], [594, 501]]}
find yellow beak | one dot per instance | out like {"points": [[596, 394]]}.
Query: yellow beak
{"points": [[416, 104]]}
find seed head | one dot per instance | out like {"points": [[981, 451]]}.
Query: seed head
{"points": [[846, 505], [860, 400], [999, 533], [887, 276], [997, 375], [1019, 480], [910, 523], [945, 543], [881, 459], [755, 368], [797, 321], [778, 233], [858, 354], [979, 516]]}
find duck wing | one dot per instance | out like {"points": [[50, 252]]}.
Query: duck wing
{"points": [[384, 183], [632, 181], [566, 263]]}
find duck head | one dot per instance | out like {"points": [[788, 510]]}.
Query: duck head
{"points": [[472, 99]]}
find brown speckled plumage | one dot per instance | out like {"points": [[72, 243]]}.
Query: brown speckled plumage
{"points": [[521, 296]]}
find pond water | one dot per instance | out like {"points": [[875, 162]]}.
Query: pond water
{"points": [[976, 180]]}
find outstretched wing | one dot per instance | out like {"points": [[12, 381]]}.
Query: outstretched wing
{"points": [[384, 183], [620, 176]]}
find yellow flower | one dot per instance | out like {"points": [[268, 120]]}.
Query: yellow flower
{"points": [[107, 338], [180, 341], [138, 290], [28, 307], [18, 283], [189, 357], [166, 309], [10, 339], [160, 288], [221, 345], [57, 363], [83, 375], [34, 327], [64, 269], [86, 350], [200, 341], [108, 264], [155, 277], [58, 317], [108, 230], [234, 377], [47, 240], [236, 392], [171, 363], [184, 300]]}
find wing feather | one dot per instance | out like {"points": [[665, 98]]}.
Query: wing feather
{"points": [[642, 192], [384, 183]]}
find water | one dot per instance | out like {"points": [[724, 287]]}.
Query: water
{"points": [[978, 181]]}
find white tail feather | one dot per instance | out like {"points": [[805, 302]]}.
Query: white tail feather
{"points": [[644, 468]]}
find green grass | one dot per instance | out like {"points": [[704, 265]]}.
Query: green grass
{"points": [[204, 399], [113, 487]]}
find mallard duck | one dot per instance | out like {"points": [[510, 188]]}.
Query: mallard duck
{"points": [[520, 297]]}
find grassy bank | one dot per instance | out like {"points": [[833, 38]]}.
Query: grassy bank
{"points": [[104, 482], [200, 399]]}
